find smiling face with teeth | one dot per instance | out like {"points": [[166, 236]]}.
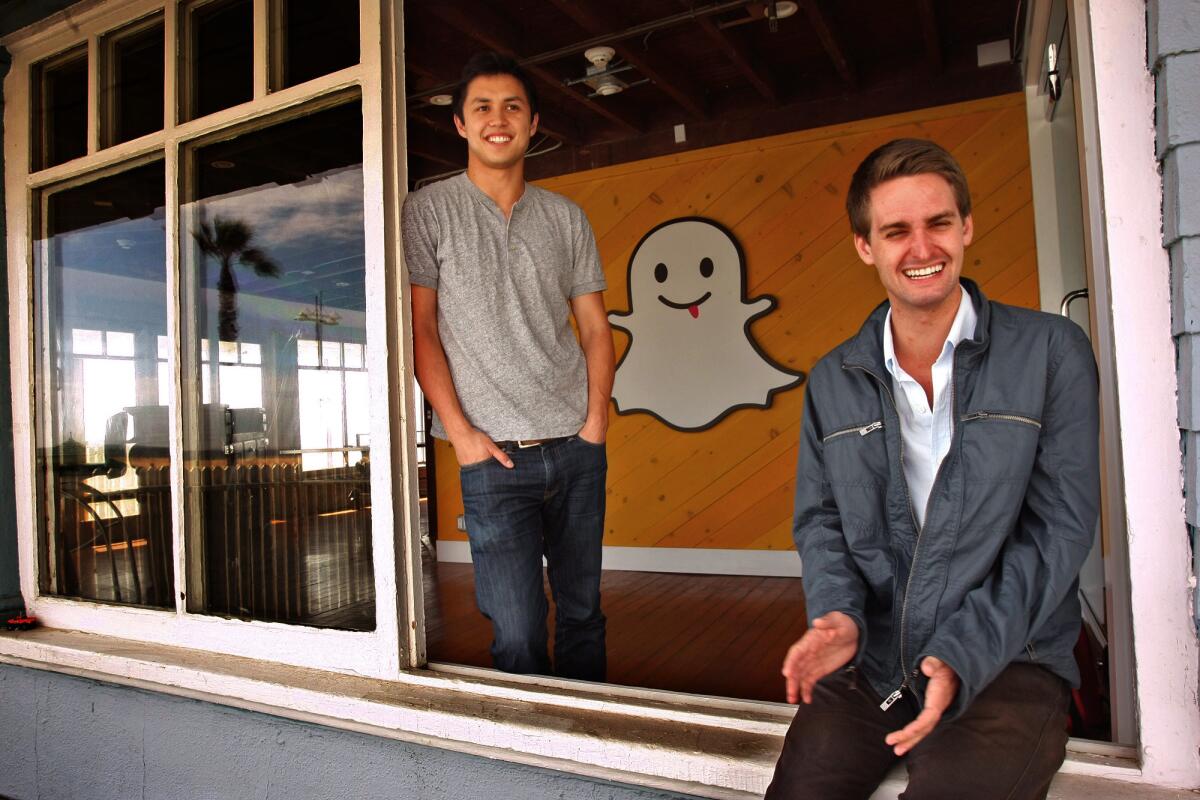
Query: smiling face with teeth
{"points": [[916, 243], [496, 122]]}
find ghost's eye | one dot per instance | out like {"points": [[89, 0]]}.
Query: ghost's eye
{"points": [[660, 273], [706, 267]]}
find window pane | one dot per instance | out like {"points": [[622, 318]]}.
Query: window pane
{"points": [[133, 96], [103, 462], [354, 356], [279, 496], [87, 343], [60, 95], [306, 353], [220, 56], [316, 37], [120, 344]]}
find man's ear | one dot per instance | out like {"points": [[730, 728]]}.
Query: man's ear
{"points": [[864, 249], [533, 125], [462, 129], [968, 230]]}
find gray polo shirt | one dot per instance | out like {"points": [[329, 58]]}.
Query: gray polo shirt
{"points": [[504, 287]]}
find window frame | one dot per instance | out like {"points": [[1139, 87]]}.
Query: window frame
{"points": [[381, 653], [1167, 728]]}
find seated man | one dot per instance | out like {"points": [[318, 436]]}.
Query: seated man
{"points": [[947, 495]]}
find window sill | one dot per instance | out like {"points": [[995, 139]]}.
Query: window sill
{"points": [[707, 747]]}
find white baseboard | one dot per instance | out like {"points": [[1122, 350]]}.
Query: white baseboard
{"points": [[769, 563]]}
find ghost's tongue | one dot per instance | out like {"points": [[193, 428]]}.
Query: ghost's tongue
{"points": [[694, 310]]}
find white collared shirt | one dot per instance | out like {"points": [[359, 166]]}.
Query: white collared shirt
{"points": [[926, 432]]}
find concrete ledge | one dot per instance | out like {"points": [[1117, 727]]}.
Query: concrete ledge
{"points": [[709, 747]]}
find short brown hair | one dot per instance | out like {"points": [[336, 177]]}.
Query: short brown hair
{"points": [[896, 159]]}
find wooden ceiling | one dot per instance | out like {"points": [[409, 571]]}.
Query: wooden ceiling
{"points": [[715, 66]]}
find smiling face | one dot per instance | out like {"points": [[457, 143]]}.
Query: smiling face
{"points": [[917, 242], [496, 122], [685, 269]]}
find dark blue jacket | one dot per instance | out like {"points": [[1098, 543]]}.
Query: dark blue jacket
{"points": [[992, 577]]}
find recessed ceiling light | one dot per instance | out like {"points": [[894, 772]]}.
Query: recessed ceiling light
{"points": [[221, 163], [783, 9], [441, 100]]}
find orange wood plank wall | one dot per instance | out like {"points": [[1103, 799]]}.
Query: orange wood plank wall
{"points": [[731, 487]]}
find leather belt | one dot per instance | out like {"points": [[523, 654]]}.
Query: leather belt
{"points": [[525, 444]]}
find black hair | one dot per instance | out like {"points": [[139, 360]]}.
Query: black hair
{"points": [[491, 63]]}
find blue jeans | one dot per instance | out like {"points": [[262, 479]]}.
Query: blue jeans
{"points": [[551, 503]]}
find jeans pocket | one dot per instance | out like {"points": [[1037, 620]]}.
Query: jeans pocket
{"points": [[586, 443], [474, 465]]}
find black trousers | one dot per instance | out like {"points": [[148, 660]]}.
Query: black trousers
{"points": [[1007, 745]]}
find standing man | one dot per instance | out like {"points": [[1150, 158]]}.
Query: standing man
{"points": [[497, 268], [947, 495]]}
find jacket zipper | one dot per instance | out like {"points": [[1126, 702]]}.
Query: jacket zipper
{"points": [[891, 699], [861, 430], [1007, 417]]}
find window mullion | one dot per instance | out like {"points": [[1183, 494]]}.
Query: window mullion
{"points": [[174, 417], [93, 94], [262, 47], [170, 69]]}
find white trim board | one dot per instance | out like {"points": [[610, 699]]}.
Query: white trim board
{"points": [[697, 561]]}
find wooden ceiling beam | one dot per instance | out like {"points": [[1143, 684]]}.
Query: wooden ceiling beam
{"points": [[929, 32], [751, 66], [829, 40], [669, 78], [495, 32]]}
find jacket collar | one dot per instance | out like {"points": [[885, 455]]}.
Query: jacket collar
{"points": [[866, 348]]}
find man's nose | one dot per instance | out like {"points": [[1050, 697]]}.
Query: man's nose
{"points": [[922, 246]]}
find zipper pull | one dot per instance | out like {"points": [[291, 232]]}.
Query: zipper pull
{"points": [[976, 415], [891, 699], [874, 426]]}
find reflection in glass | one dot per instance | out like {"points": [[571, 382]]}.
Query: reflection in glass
{"points": [[219, 56], [102, 445], [316, 37], [60, 109], [277, 460], [133, 89]]}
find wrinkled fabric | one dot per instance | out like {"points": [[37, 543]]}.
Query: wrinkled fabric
{"points": [[992, 576]]}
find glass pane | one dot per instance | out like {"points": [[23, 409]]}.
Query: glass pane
{"points": [[278, 510], [354, 356], [220, 56], [60, 96], [102, 444], [133, 97], [120, 344], [318, 37]]}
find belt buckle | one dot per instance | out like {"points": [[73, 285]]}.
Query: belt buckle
{"points": [[523, 444]]}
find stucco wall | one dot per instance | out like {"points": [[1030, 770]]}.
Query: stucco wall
{"points": [[71, 738], [1173, 31]]}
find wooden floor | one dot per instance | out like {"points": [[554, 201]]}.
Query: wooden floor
{"points": [[703, 634]]}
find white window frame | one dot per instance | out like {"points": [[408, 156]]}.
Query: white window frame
{"points": [[1130, 271], [392, 645]]}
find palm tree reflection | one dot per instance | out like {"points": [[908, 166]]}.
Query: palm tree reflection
{"points": [[230, 240]]}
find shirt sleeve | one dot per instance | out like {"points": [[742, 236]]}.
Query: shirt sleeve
{"points": [[420, 232], [587, 271]]}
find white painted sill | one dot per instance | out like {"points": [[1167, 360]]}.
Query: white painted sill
{"points": [[710, 747]]}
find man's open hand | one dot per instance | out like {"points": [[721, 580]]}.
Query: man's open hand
{"points": [[939, 694], [827, 645]]}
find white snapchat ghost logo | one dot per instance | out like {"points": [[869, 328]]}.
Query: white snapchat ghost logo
{"points": [[691, 359]]}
